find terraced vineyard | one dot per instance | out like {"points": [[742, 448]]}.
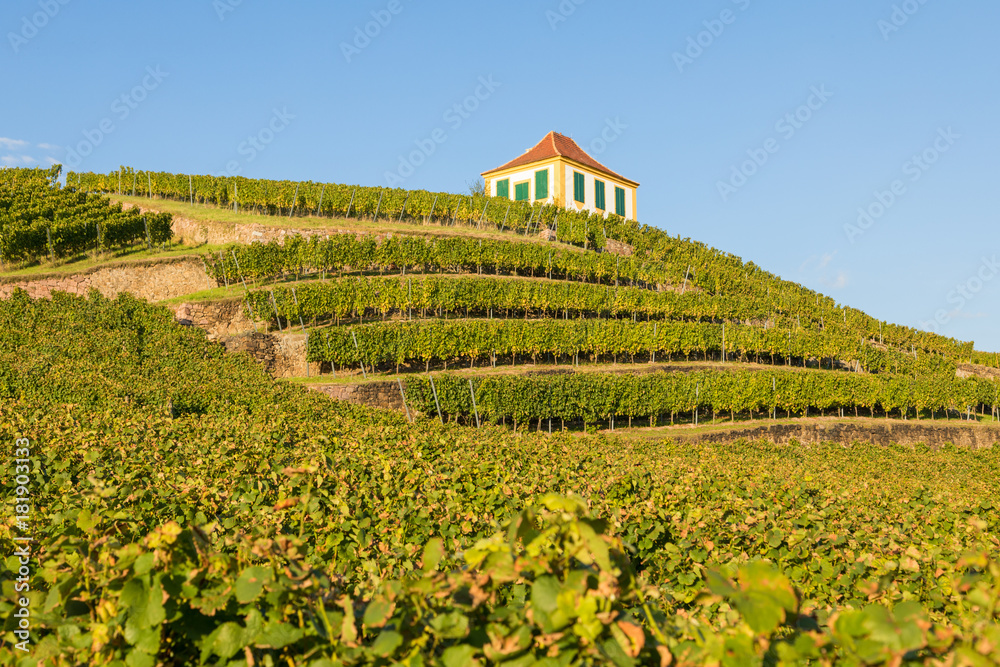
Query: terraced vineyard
{"points": [[190, 509], [187, 509], [738, 285], [40, 220], [460, 301]]}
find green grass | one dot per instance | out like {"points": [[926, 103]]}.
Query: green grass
{"points": [[215, 216], [214, 294], [208, 214], [339, 380], [70, 265]]}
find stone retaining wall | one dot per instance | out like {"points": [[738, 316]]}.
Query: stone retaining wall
{"points": [[900, 433], [218, 318], [373, 394], [610, 245], [153, 280], [619, 248], [259, 346], [283, 355], [973, 370]]}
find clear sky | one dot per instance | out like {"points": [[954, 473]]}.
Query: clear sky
{"points": [[766, 129]]}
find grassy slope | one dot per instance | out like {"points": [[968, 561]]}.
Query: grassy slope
{"points": [[93, 261], [213, 215]]}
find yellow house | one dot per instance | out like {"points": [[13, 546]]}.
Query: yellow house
{"points": [[558, 171]]}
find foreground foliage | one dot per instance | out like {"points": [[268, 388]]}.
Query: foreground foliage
{"points": [[554, 589], [262, 525]]}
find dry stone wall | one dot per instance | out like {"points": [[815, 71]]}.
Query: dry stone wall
{"points": [[257, 345], [151, 280], [893, 432], [290, 356], [372, 394], [282, 355], [618, 248], [218, 318], [973, 370]]}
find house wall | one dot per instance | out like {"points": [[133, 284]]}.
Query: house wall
{"points": [[526, 174], [591, 198], [561, 186]]}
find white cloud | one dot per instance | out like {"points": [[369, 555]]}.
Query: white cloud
{"points": [[817, 263], [15, 160], [839, 281], [11, 144], [48, 147], [959, 314]]}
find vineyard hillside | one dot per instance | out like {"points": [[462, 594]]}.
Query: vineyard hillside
{"points": [[189, 509], [550, 489]]}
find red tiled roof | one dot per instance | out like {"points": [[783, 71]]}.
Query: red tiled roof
{"points": [[559, 145]]}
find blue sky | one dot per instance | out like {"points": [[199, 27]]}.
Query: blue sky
{"points": [[763, 129]]}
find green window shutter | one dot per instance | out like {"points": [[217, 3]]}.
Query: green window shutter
{"points": [[620, 201], [503, 188], [579, 192], [521, 192], [599, 194], [542, 184]]}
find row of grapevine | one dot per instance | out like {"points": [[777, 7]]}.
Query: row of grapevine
{"points": [[407, 342], [593, 397], [298, 255], [38, 219], [362, 296], [383, 296], [26, 176], [340, 200]]}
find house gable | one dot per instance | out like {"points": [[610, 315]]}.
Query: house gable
{"points": [[567, 165]]}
